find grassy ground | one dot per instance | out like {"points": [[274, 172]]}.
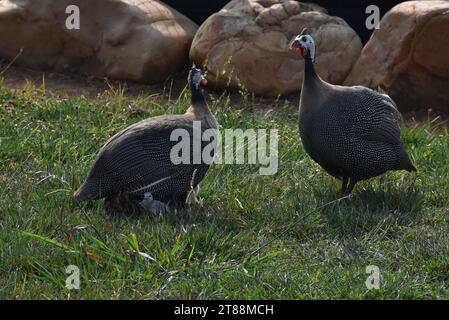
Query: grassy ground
{"points": [[398, 222]]}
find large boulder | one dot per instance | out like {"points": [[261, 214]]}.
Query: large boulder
{"points": [[246, 45], [409, 56], [352, 11], [130, 40]]}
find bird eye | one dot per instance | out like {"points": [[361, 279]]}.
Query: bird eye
{"points": [[304, 39]]}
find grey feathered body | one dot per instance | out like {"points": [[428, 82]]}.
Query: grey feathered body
{"points": [[137, 160], [351, 132]]}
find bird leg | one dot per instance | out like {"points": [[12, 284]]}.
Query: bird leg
{"points": [[344, 185], [192, 197], [351, 185], [153, 206]]}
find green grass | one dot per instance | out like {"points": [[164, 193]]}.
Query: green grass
{"points": [[398, 221]]}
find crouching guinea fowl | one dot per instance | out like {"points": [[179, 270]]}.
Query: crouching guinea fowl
{"points": [[134, 170], [352, 132]]}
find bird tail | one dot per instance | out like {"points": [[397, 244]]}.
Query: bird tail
{"points": [[82, 194], [89, 190], [406, 163], [410, 167]]}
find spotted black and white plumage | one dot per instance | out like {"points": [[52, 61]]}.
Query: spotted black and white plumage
{"points": [[136, 161], [352, 132]]}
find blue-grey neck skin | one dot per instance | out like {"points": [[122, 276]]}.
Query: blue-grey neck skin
{"points": [[196, 95], [313, 89], [310, 75]]}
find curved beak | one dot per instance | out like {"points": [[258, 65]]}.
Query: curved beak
{"points": [[295, 45]]}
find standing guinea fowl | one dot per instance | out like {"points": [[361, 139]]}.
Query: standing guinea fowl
{"points": [[134, 169], [352, 132]]}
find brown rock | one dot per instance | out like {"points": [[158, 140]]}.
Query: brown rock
{"points": [[409, 56], [246, 44], [130, 40]]}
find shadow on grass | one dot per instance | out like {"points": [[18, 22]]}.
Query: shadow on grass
{"points": [[176, 217], [369, 212]]}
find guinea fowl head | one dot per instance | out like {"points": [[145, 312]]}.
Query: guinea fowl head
{"points": [[197, 82], [196, 79], [305, 45]]}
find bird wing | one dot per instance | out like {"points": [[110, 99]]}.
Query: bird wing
{"points": [[374, 116], [139, 156]]}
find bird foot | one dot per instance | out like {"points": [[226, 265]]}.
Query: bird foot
{"points": [[153, 206], [192, 197]]}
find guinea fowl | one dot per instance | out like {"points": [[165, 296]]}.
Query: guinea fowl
{"points": [[134, 170], [352, 132]]}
